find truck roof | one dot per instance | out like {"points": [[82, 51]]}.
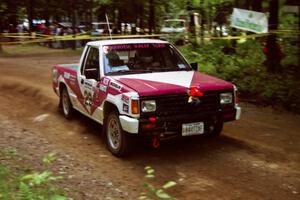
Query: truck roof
{"points": [[124, 41]]}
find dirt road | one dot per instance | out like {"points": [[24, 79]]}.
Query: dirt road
{"points": [[257, 157]]}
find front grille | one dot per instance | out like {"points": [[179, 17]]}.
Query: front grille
{"points": [[177, 104]]}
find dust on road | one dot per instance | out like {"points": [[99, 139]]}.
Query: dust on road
{"points": [[254, 158]]}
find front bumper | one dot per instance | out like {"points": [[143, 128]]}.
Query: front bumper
{"points": [[238, 112], [130, 125], [173, 124]]}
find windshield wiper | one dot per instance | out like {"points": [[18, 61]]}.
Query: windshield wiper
{"points": [[170, 69], [128, 72], [184, 69]]}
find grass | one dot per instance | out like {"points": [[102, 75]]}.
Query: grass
{"points": [[35, 49], [17, 183]]}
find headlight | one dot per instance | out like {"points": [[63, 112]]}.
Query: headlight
{"points": [[148, 106], [226, 98], [54, 75]]}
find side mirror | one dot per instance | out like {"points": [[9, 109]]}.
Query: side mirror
{"points": [[194, 66]]}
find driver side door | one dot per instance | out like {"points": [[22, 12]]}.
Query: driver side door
{"points": [[88, 79]]}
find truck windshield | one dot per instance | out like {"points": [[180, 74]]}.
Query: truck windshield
{"points": [[142, 58]]}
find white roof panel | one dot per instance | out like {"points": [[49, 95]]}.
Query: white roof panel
{"points": [[124, 41]]}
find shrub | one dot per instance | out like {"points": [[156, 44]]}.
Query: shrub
{"points": [[150, 191], [30, 186], [244, 65]]}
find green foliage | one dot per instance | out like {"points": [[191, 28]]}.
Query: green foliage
{"points": [[39, 178], [48, 159], [10, 151], [244, 65], [4, 179], [31, 186], [152, 192]]}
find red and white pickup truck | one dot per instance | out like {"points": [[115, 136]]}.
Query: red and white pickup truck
{"points": [[143, 87]]}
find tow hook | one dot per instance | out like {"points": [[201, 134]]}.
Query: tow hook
{"points": [[155, 142]]}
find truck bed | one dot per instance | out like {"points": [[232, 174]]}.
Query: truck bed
{"points": [[73, 66]]}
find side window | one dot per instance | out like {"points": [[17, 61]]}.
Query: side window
{"points": [[84, 60], [91, 68]]}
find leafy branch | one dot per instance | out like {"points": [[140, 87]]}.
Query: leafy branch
{"points": [[150, 191]]}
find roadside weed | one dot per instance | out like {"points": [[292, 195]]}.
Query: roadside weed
{"points": [[10, 151], [150, 191], [49, 158], [30, 186]]}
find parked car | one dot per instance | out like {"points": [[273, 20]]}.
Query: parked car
{"points": [[100, 28], [176, 30], [174, 26]]}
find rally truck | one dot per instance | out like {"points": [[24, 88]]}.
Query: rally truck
{"points": [[143, 87]]}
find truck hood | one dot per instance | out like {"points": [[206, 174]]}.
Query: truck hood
{"points": [[171, 82]]}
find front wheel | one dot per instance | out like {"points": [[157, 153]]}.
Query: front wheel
{"points": [[117, 140]]}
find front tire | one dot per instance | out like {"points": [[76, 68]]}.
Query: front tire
{"points": [[65, 104], [117, 140]]}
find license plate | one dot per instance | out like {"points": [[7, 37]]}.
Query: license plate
{"points": [[193, 129]]}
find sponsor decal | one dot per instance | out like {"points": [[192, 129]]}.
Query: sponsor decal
{"points": [[115, 86], [88, 85], [118, 47], [66, 75], [107, 49], [105, 81], [72, 79], [182, 66], [88, 99], [125, 98], [125, 108], [103, 88], [141, 46], [159, 45]]}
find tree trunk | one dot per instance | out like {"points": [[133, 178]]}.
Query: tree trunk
{"points": [[141, 21], [12, 16], [244, 4], [151, 16], [1, 31], [257, 5], [202, 29], [273, 52], [73, 17], [30, 14], [298, 35]]}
